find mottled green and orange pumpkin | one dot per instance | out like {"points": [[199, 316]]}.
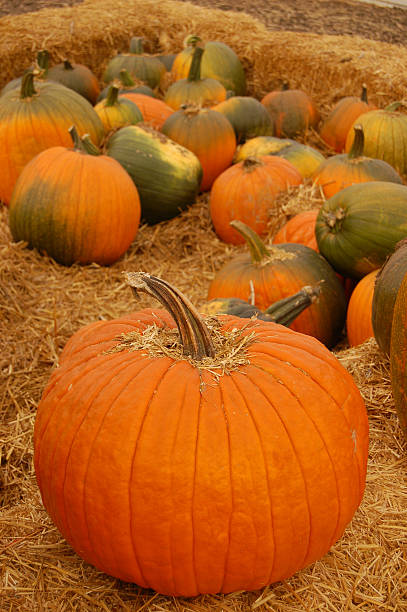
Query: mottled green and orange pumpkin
{"points": [[195, 89], [335, 128], [247, 191], [293, 112], [230, 453], [38, 116], [140, 65], [277, 271], [116, 111], [247, 115], [78, 77], [340, 171], [208, 134], [75, 205]]}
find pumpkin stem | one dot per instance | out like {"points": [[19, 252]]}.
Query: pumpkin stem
{"points": [[363, 97], [112, 95], [125, 78], [251, 163], [84, 144], [136, 45], [43, 61], [285, 86], [194, 334], [67, 65], [258, 250], [192, 40], [358, 144], [287, 309], [194, 73], [27, 84]]}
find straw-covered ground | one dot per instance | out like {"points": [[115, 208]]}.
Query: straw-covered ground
{"points": [[43, 303]]}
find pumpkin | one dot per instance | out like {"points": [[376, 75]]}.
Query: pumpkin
{"points": [[398, 354], [358, 227], [247, 191], [76, 205], [300, 228], [247, 115], [340, 171], [292, 111], [144, 67], [305, 158], [195, 89], [115, 111], [166, 174], [386, 287], [219, 62], [275, 272], [206, 133], [155, 112], [385, 132], [335, 128], [36, 117], [359, 314], [283, 311], [127, 84], [77, 77], [235, 430]]}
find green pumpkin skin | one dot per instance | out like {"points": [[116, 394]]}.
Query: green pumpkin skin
{"points": [[359, 227]]}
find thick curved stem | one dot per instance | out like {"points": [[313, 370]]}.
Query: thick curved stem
{"points": [[358, 143], [258, 249], [194, 334], [194, 73]]}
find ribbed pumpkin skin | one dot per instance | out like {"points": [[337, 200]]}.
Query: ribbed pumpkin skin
{"points": [[206, 133], [291, 267], [247, 115], [203, 92], [340, 171], [28, 126], [292, 112], [385, 137], [386, 288], [305, 158], [124, 112], [277, 450], [147, 69], [75, 207], [299, 229], [372, 220], [336, 126], [359, 315], [167, 175], [219, 62], [155, 112], [77, 77], [247, 191], [398, 355]]}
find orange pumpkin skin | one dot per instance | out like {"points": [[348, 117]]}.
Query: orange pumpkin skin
{"points": [[155, 112], [32, 124], [292, 112], [164, 475], [359, 315], [336, 126], [398, 355], [208, 134], [299, 229], [93, 219], [205, 92], [247, 191]]}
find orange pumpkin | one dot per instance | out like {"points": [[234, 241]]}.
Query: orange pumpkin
{"points": [[292, 111], [206, 133], [194, 89], [196, 454], [340, 171], [155, 112], [359, 315], [339, 121], [247, 191], [300, 228], [75, 204], [398, 354]]}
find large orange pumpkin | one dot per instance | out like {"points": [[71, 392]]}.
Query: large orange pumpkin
{"points": [[36, 117], [247, 191], [190, 471], [208, 134], [76, 205]]}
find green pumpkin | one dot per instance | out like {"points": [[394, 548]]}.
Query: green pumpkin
{"points": [[359, 227], [145, 68], [247, 115], [166, 174]]}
